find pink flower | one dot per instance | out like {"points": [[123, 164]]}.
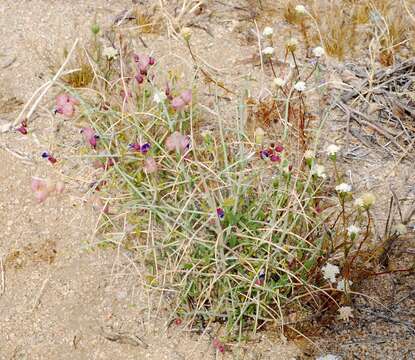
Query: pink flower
{"points": [[139, 78], [63, 99], [42, 188], [90, 136], [65, 105], [178, 142], [218, 345], [187, 96], [144, 63], [180, 102], [23, 127], [60, 187], [150, 165]]}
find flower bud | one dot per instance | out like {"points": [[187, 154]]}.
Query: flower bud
{"points": [[186, 33]]}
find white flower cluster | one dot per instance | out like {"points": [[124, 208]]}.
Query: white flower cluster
{"points": [[332, 149], [110, 52], [353, 230], [301, 9], [330, 272], [328, 357], [365, 201], [343, 188], [318, 52], [278, 82], [268, 51], [319, 171], [268, 31], [300, 86], [345, 313], [344, 285]]}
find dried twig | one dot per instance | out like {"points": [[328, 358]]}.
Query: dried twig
{"points": [[122, 337], [40, 294], [3, 277]]}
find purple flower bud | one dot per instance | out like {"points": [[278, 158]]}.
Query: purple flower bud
{"points": [[51, 159], [151, 60], [135, 146], [22, 130], [139, 78], [136, 58], [45, 154], [220, 212], [279, 148]]}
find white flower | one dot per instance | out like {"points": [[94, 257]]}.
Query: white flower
{"points": [[344, 284], [268, 51], [291, 44], [300, 86], [318, 51], [278, 82], [318, 170], [345, 313], [332, 149], [268, 31], [365, 201], [328, 357], [301, 9], [400, 229], [330, 271], [353, 230], [343, 188], [309, 154], [159, 97], [110, 52]]}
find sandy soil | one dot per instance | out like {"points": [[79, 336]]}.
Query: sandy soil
{"points": [[61, 296]]}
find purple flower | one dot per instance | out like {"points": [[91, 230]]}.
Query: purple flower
{"points": [[261, 278], [140, 148], [275, 158], [220, 212], [90, 136], [264, 154], [145, 148]]}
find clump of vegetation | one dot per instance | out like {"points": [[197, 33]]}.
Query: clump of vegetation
{"points": [[340, 26], [244, 225]]}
